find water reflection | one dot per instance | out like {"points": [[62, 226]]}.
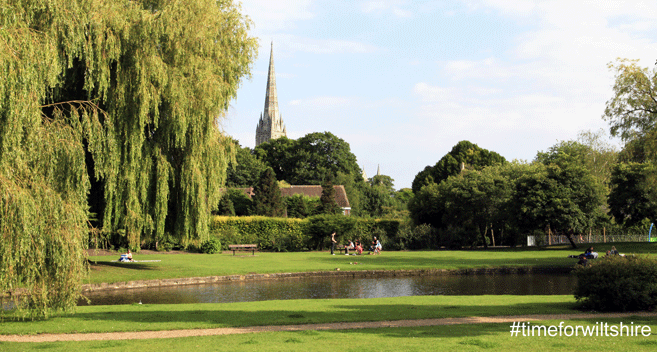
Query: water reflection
{"points": [[317, 288]]}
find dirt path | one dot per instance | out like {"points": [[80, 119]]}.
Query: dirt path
{"points": [[332, 326]]}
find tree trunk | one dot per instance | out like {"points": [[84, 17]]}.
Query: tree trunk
{"points": [[483, 236], [492, 234], [549, 236], [570, 238]]}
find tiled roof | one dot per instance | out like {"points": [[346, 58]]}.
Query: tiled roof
{"points": [[310, 191], [316, 191]]}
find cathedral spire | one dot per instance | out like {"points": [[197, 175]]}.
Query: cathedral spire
{"points": [[271, 96], [271, 124]]}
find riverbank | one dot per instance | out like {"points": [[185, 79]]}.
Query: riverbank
{"points": [[320, 274]]}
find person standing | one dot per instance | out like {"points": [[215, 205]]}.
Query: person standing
{"points": [[333, 243]]}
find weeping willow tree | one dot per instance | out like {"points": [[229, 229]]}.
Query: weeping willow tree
{"points": [[109, 107]]}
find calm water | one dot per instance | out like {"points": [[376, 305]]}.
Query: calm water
{"points": [[310, 288]]}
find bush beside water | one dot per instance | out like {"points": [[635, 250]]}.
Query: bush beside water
{"points": [[618, 284]]}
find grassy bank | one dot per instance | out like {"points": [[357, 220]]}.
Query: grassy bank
{"points": [[215, 315], [490, 337], [479, 337], [200, 265]]}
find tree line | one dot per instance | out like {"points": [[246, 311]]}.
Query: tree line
{"points": [[319, 158]]}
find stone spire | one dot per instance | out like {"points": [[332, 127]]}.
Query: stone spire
{"points": [[364, 174], [378, 170], [271, 124]]}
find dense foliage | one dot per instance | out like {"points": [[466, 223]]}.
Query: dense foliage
{"points": [[464, 155], [267, 198], [618, 284], [245, 170], [211, 246], [280, 234], [632, 111], [116, 101], [310, 160], [633, 196]]}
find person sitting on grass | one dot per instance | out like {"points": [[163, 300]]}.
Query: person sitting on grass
{"points": [[127, 257], [378, 247], [590, 254], [348, 247], [582, 260], [359, 247]]}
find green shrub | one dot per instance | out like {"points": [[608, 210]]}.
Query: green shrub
{"points": [[618, 284], [211, 246], [270, 234]]}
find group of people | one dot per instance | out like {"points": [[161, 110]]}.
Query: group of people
{"points": [[375, 248], [590, 254]]}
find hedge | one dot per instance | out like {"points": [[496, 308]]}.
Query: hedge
{"points": [[273, 234], [313, 233]]}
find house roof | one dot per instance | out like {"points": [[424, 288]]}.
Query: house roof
{"points": [[311, 191], [316, 191]]}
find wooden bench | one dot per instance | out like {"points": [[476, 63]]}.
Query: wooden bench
{"points": [[341, 248], [243, 247]]}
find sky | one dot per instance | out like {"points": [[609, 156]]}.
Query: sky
{"points": [[404, 81]]}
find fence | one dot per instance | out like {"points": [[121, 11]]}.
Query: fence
{"points": [[614, 236]]}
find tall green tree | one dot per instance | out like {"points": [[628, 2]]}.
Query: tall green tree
{"points": [[245, 170], [566, 199], [311, 160], [327, 203], [632, 110], [267, 198], [464, 155], [633, 196], [116, 99]]}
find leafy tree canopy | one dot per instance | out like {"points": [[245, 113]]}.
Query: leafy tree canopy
{"points": [[117, 95], [633, 195], [591, 151], [464, 154], [632, 111], [245, 170], [311, 160], [566, 199]]}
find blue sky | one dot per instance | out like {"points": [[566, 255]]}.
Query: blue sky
{"points": [[404, 81]]}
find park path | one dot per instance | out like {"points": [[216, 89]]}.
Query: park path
{"points": [[138, 335]]}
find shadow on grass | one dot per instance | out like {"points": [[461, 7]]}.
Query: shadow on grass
{"points": [[131, 266], [137, 315]]}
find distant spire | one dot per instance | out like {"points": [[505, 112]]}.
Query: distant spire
{"points": [[364, 174], [378, 170], [271, 124], [271, 96]]}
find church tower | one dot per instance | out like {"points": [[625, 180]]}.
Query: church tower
{"points": [[271, 124]]}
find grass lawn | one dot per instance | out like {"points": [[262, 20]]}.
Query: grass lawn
{"points": [[216, 315], [200, 265], [480, 337], [473, 337]]}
